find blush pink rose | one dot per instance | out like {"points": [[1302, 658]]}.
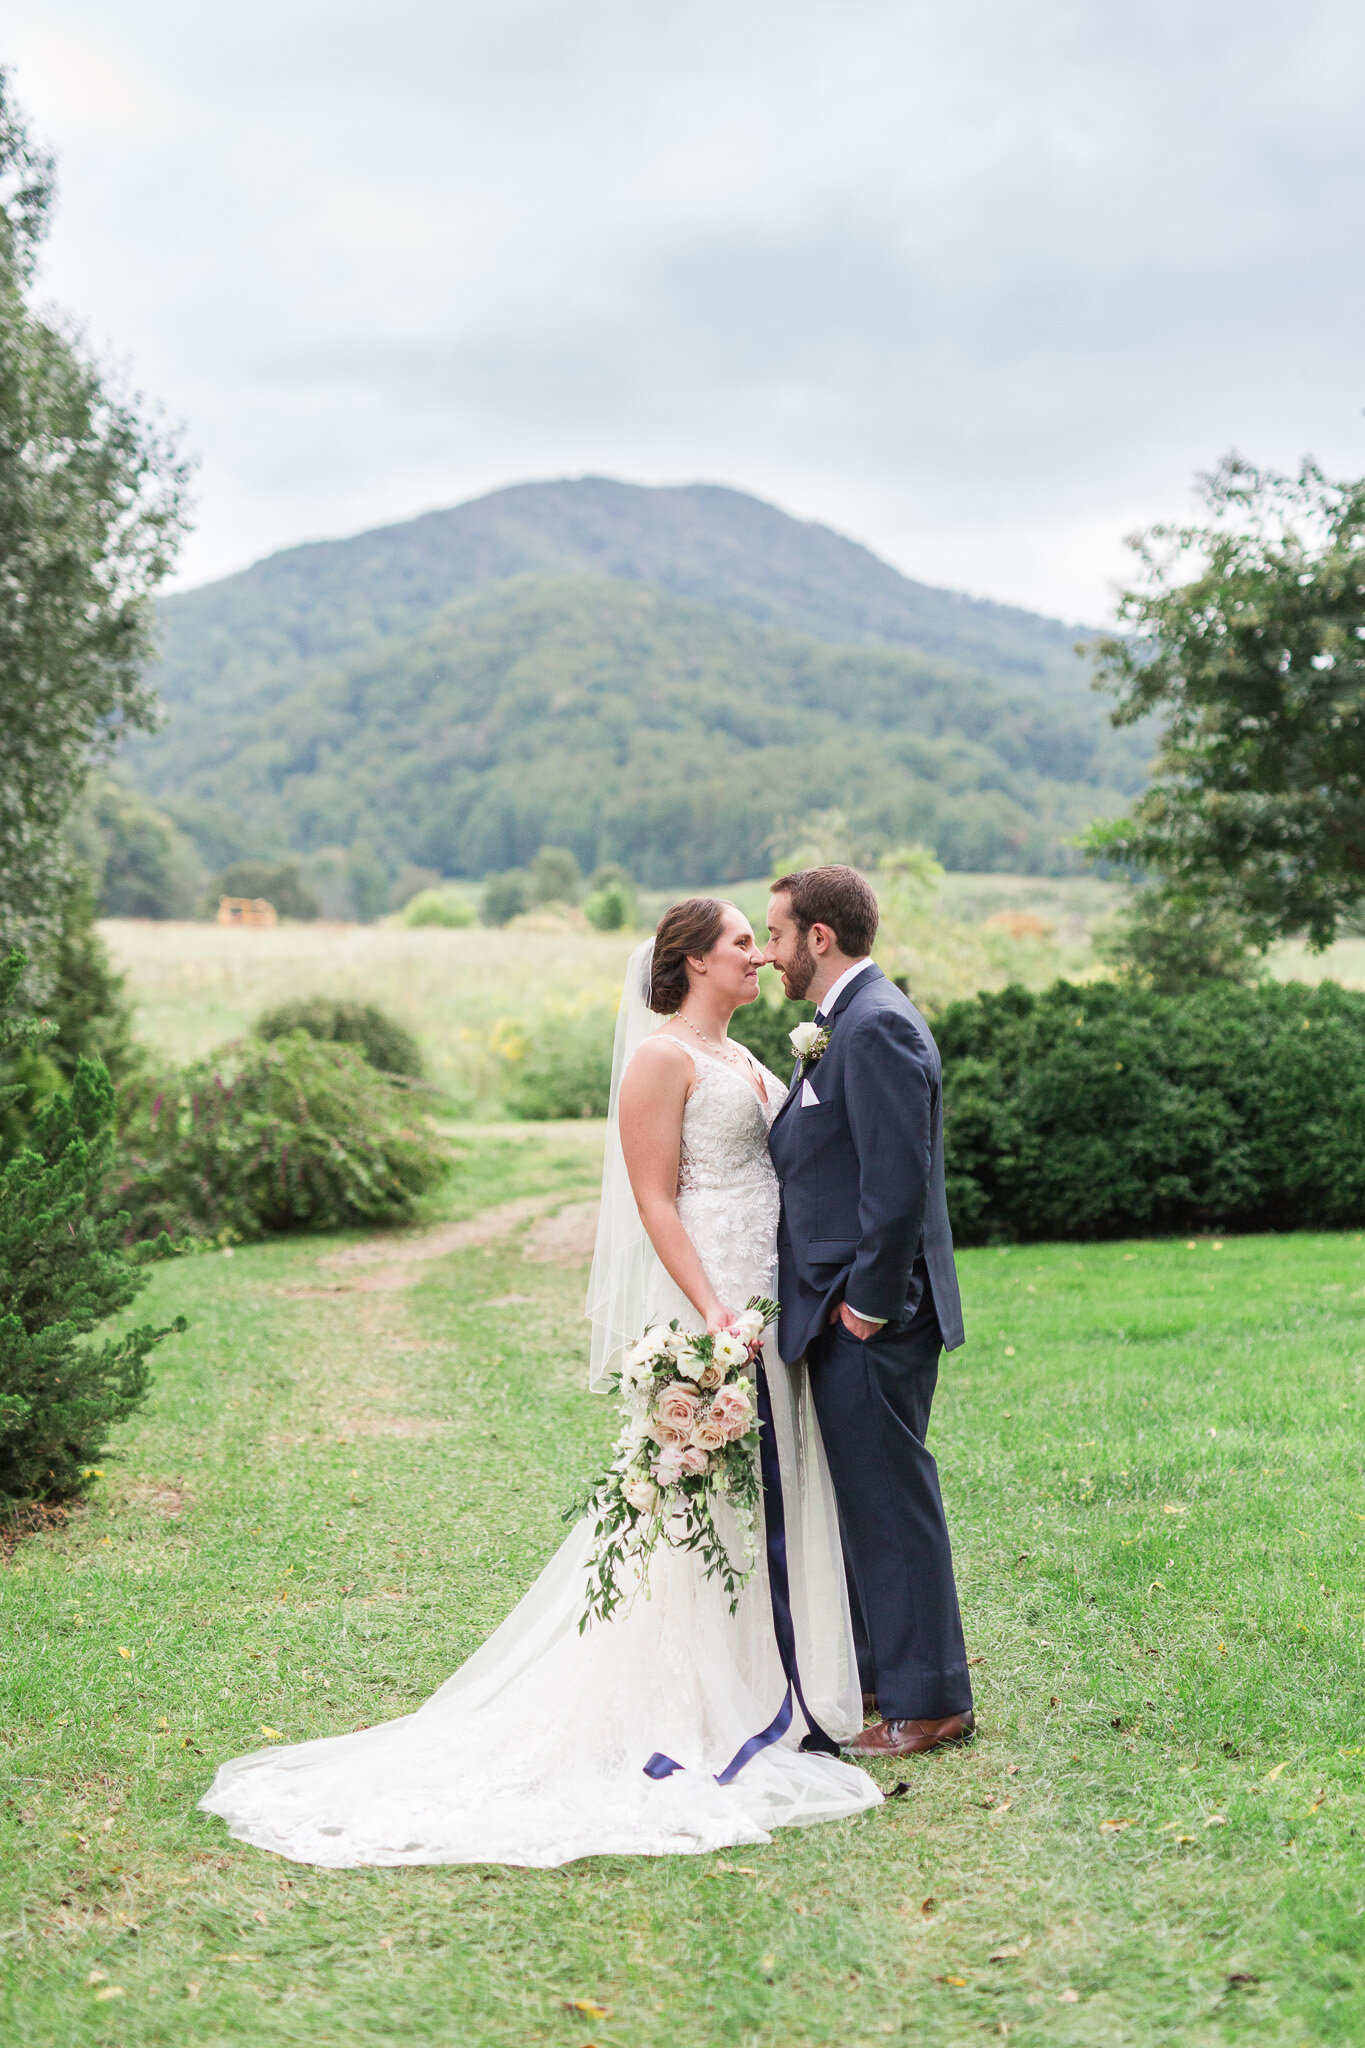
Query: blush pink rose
{"points": [[707, 1433], [711, 1376], [695, 1461], [731, 1410], [669, 1469], [666, 1434], [677, 1405]]}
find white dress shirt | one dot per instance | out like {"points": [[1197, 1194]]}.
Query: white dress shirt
{"points": [[825, 1005], [833, 993]]}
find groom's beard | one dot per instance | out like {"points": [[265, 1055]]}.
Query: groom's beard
{"points": [[799, 975]]}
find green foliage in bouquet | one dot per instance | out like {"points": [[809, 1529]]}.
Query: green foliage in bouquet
{"points": [[290, 1134], [63, 1271], [335, 1020], [1108, 1110], [689, 1438]]}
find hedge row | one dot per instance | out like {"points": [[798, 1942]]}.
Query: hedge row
{"points": [[1101, 1111]]}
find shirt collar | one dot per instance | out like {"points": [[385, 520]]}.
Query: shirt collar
{"points": [[832, 995]]}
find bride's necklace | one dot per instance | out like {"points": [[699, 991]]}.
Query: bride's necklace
{"points": [[721, 1048]]}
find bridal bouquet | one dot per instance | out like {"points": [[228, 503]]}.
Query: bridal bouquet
{"points": [[690, 1436]]}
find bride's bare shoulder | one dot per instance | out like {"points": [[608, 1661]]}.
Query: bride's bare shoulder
{"points": [[659, 1069]]}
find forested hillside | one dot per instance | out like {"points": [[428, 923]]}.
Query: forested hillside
{"points": [[659, 677], [630, 725]]}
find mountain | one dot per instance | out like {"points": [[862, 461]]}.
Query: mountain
{"points": [[631, 725], [575, 661]]}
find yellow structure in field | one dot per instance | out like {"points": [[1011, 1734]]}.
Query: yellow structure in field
{"points": [[245, 910]]}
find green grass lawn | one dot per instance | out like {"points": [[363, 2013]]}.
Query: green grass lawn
{"points": [[1152, 1458]]}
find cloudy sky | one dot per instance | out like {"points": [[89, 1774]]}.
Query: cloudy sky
{"points": [[980, 283]]}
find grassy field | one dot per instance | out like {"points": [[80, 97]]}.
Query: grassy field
{"points": [[195, 985], [1152, 1458]]}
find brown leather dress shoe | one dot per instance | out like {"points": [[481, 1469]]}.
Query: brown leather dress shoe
{"points": [[912, 1738]]}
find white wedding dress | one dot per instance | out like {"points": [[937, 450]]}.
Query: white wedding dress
{"points": [[534, 1751]]}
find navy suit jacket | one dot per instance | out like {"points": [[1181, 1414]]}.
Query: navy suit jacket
{"points": [[861, 1172]]}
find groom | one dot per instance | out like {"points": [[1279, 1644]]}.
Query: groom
{"points": [[869, 1295]]}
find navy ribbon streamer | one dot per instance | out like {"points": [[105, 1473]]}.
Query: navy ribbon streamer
{"points": [[779, 1587]]}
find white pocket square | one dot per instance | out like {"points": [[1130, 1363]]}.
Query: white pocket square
{"points": [[809, 1098]]}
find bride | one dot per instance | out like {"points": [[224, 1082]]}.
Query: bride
{"points": [[535, 1751]]}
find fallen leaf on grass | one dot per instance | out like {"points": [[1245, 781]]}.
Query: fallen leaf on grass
{"points": [[959, 1981], [976, 1660], [273, 1733], [1005, 1955], [1112, 1827], [97, 1977], [1270, 1776], [1318, 1797], [590, 2006], [1243, 1977], [124, 1653], [732, 1870], [1069, 1997], [999, 1812], [1215, 1820], [768, 1965], [110, 1991]]}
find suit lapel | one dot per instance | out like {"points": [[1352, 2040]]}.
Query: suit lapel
{"points": [[860, 981]]}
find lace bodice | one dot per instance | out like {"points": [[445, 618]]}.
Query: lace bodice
{"points": [[727, 1189]]}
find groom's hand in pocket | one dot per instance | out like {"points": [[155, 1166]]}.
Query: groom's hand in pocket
{"points": [[857, 1326]]}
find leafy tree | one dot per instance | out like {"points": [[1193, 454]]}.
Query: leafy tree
{"points": [[281, 884], [369, 882], [140, 862], [91, 512], [504, 897], [610, 909], [555, 876], [1247, 639], [1170, 941], [86, 1016], [63, 1271]]}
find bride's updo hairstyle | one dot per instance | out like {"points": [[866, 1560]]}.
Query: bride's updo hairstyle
{"points": [[685, 932]]}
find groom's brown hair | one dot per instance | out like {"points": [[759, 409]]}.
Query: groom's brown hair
{"points": [[836, 896]]}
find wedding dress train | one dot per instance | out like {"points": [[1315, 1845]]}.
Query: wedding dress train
{"points": [[534, 1751]]}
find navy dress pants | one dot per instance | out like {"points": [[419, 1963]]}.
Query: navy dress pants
{"points": [[873, 1402]]}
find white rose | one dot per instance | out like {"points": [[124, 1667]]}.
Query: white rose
{"points": [[690, 1363], [728, 1349], [750, 1325], [642, 1494], [675, 1342], [803, 1038]]}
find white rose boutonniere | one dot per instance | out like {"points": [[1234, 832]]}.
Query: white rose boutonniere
{"points": [[808, 1041]]}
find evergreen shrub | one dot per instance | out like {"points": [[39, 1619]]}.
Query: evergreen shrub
{"points": [[1105, 1110], [765, 1028], [377, 1036], [294, 1133], [63, 1271]]}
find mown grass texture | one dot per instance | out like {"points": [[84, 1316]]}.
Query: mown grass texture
{"points": [[1151, 1456]]}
